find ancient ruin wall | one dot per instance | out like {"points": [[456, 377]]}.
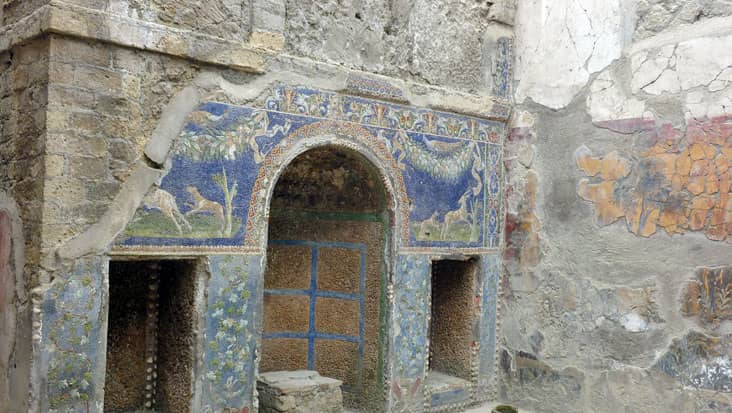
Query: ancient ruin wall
{"points": [[115, 81], [618, 220], [23, 102]]}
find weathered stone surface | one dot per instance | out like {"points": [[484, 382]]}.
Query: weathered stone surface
{"points": [[655, 16], [525, 377], [700, 361], [436, 42], [299, 391]]}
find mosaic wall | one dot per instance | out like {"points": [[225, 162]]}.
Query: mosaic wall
{"points": [[491, 275], [72, 328], [445, 167], [232, 322], [445, 171], [409, 332], [678, 181], [502, 74]]}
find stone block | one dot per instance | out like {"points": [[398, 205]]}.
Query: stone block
{"points": [[300, 391]]}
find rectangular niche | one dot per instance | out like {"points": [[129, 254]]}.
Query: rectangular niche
{"points": [[452, 331], [151, 344]]}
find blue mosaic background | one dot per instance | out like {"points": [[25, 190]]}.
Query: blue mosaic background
{"points": [[450, 165], [409, 332]]}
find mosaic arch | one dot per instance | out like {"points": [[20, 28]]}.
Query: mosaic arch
{"points": [[326, 133]]}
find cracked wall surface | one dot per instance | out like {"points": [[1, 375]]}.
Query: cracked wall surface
{"points": [[616, 276]]}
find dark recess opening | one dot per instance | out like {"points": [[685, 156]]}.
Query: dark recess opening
{"points": [[150, 336], [453, 315]]}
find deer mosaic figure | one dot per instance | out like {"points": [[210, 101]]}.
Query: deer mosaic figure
{"points": [[202, 205], [455, 216], [164, 202], [426, 226]]}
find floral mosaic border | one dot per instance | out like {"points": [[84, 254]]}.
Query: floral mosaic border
{"points": [[330, 105], [71, 329]]}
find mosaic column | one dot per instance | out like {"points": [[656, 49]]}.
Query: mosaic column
{"points": [[408, 335], [491, 274], [73, 338], [233, 323]]}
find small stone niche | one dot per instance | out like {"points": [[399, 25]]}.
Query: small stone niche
{"points": [[150, 336], [451, 331]]}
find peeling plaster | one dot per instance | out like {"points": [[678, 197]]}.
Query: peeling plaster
{"points": [[561, 43]]}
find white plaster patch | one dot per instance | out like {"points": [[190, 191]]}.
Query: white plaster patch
{"points": [[633, 322], [668, 81], [700, 104], [522, 119], [608, 101], [561, 42], [701, 60], [646, 69], [692, 63]]}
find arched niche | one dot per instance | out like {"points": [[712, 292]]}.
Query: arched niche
{"points": [[329, 245]]}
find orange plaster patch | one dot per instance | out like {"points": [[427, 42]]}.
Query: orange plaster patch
{"points": [[681, 183]]}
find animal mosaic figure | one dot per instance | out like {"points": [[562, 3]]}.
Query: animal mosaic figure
{"points": [[164, 202], [202, 205], [455, 216], [426, 226]]}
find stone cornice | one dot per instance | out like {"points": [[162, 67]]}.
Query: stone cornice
{"points": [[66, 19]]}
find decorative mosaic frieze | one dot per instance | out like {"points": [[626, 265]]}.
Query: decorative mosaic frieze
{"points": [[494, 198], [330, 105], [379, 89], [502, 72], [443, 169]]}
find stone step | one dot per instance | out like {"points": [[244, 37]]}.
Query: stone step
{"points": [[299, 391]]}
